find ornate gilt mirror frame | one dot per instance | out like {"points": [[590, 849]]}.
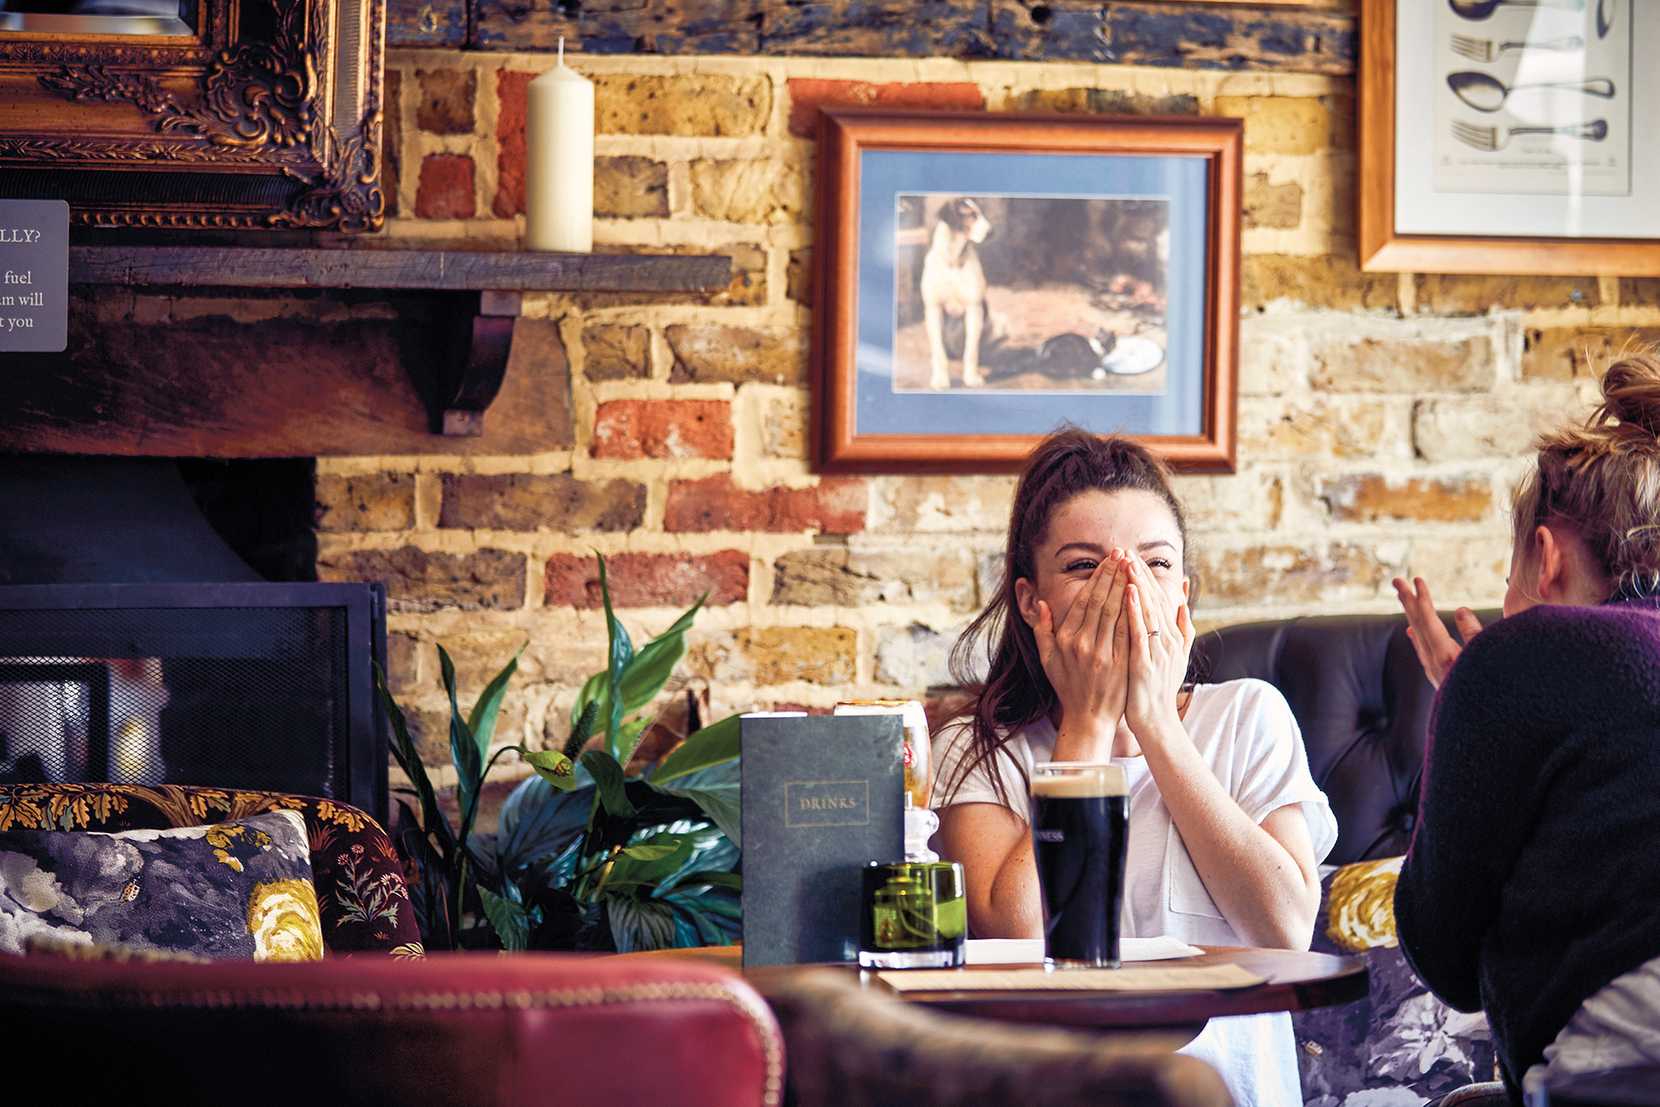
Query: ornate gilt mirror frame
{"points": [[266, 115]]}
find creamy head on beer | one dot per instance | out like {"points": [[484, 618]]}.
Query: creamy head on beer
{"points": [[1081, 781]]}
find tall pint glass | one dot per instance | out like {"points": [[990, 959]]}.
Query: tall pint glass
{"points": [[1080, 831]]}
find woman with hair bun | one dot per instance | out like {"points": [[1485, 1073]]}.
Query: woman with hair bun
{"points": [[1531, 888], [1084, 651]]}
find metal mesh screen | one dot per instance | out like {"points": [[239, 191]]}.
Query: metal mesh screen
{"points": [[239, 697]]}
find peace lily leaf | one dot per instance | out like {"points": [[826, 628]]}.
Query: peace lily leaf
{"points": [[620, 654], [433, 820], [721, 804], [629, 870], [469, 762], [645, 674], [712, 745], [639, 924], [482, 721], [650, 851], [509, 919], [553, 767], [628, 739], [608, 780]]}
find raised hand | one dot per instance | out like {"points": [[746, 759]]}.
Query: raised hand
{"points": [[1084, 657], [1436, 649], [1160, 641]]}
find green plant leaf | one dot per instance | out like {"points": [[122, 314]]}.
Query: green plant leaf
{"points": [[730, 881], [619, 654], [719, 802], [552, 766], [608, 781], [482, 720], [510, 920], [464, 751], [539, 821], [645, 674], [638, 924], [433, 820], [665, 854], [714, 744], [650, 851], [628, 739]]}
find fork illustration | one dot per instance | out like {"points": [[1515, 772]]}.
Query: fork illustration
{"points": [[1497, 138], [1486, 50]]}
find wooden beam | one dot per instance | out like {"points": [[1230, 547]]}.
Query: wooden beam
{"points": [[1313, 37]]}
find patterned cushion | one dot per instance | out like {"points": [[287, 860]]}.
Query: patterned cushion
{"points": [[1399, 1047], [231, 890], [358, 876]]}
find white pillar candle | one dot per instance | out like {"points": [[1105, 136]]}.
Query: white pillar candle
{"points": [[559, 161]]}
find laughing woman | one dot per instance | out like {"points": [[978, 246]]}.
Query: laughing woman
{"points": [[1086, 654]]}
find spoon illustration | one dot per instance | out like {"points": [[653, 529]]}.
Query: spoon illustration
{"points": [[1482, 9], [1484, 92]]}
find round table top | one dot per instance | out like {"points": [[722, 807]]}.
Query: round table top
{"points": [[1292, 981]]}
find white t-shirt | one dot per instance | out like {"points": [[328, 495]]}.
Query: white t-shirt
{"points": [[1249, 738]]}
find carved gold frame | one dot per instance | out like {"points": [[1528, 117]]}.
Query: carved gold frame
{"points": [[268, 116]]}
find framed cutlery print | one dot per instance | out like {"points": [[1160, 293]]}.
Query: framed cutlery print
{"points": [[1509, 136]]}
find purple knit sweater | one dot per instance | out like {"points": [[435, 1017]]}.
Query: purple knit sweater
{"points": [[1534, 873]]}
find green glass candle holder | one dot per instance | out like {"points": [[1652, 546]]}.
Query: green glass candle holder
{"points": [[914, 915]]}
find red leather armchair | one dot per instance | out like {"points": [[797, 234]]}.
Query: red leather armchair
{"points": [[466, 1029]]}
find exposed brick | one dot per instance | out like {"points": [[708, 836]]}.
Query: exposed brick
{"points": [[539, 352], [1563, 353], [647, 580], [378, 501], [1272, 356], [1320, 427], [1280, 124], [1381, 365], [1289, 574], [1640, 291], [747, 288], [663, 428], [809, 94], [513, 98], [777, 655], [836, 505], [736, 354], [784, 425], [402, 661], [420, 581], [1452, 295], [391, 144], [446, 187], [916, 657], [630, 188], [479, 653], [446, 103], [430, 728], [524, 502], [751, 190], [857, 578], [1272, 205], [1466, 570], [702, 104], [1327, 281], [934, 504], [1103, 101], [1489, 426], [614, 352], [1373, 498], [1243, 501], [798, 277]]}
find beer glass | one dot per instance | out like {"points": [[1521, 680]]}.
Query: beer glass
{"points": [[1080, 830]]}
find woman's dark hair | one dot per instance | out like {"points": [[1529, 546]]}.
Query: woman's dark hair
{"points": [[1016, 690], [1602, 478]]}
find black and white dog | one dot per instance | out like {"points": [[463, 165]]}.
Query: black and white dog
{"points": [[954, 289]]}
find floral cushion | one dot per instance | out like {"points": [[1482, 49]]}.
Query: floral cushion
{"points": [[1399, 1047], [359, 879], [230, 890]]}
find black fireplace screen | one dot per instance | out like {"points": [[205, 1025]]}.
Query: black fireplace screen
{"points": [[231, 685]]}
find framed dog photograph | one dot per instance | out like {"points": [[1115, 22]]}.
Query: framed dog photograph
{"points": [[984, 278]]}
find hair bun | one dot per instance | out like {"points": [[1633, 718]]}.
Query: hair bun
{"points": [[1631, 392]]}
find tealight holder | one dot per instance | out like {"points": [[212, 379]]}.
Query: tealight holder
{"points": [[913, 915]]}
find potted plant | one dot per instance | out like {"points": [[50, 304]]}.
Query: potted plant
{"points": [[586, 855]]}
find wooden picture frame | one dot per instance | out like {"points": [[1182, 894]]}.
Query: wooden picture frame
{"points": [[1129, 225], [1385, 247], [242, 114]]}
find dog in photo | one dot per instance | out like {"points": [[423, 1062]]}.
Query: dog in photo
{"points": [[954, 290]]}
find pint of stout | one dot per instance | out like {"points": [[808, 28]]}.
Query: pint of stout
{"points": [[1080, 830]]}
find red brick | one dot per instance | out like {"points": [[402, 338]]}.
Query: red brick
{"points": [[513, 98], [446, 188], [647, 580], [663, 428], [836, 505], [808, 95]]}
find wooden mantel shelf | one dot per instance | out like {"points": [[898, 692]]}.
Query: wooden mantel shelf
{"points": [[395, 266], [487, 287]]}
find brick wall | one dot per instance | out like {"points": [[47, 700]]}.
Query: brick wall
{"points": [[1381, 417]]}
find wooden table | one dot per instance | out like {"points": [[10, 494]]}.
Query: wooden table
{"points": [[1293, 981]]}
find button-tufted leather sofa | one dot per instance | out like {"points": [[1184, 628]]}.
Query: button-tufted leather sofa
{"points": [[1363, 703]]}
